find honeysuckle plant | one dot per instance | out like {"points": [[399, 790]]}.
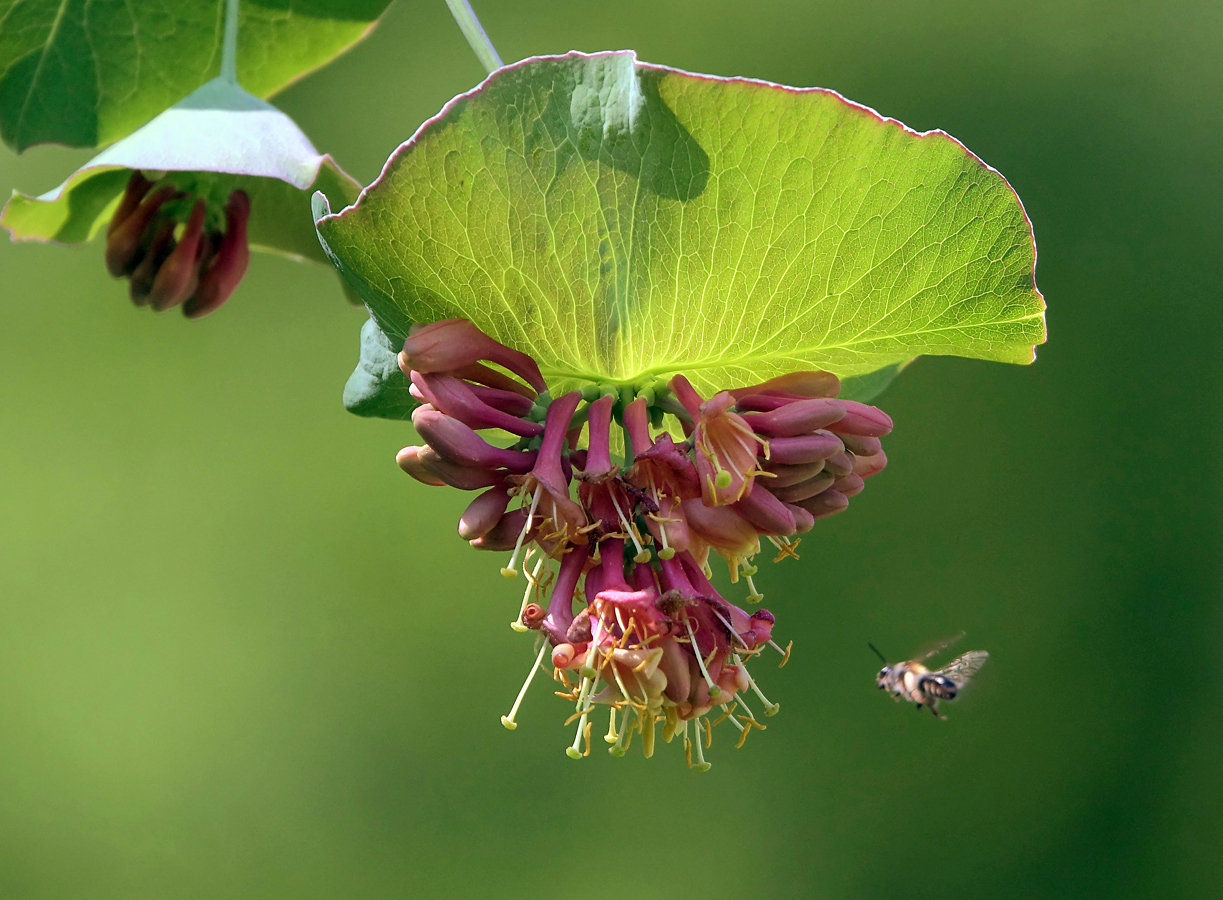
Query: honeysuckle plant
{"points": [[183, 197], [641, 314]]}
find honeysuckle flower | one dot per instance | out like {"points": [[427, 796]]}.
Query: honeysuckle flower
{"points": [[614, 548]]}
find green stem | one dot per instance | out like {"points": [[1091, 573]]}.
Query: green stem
{"points": [[474, 32], [229, 48]]}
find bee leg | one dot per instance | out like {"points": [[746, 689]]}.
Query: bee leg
{"points": [[934, 709]]}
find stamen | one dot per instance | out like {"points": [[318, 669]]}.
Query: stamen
{"points": [[643, 555], [687, 745], [511, 571], [714, 691], [647, 735], [670, 725], [573, 752], [755, 596], [730, 628], [532, 581], [770, 708], [785, 654], [508, 721], [701, 765], [611, 737]]}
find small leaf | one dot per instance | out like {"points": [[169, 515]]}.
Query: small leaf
{"points": [[215, 141], [377, 387], [619, 220], [87, 73]]}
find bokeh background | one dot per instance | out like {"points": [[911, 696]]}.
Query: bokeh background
{"points": [[243, 656]]}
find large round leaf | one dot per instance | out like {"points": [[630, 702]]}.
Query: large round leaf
{"points": [[619, 220], [87, 72]]}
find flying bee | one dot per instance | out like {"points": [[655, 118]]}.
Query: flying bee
{"points": [[914, 682]]}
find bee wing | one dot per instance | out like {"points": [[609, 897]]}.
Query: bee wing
{"points": [[962, 669], [937, 648]]}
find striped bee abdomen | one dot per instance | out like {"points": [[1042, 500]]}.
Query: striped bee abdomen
{"points": [[939, 686]]}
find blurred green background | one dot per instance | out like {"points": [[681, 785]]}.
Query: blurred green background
{"points": [[243, 656]]}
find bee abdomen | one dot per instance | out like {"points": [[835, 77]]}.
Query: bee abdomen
{"points": [[939, 686]]}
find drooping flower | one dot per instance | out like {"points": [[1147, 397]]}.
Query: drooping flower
{"points": [[614, 549]]}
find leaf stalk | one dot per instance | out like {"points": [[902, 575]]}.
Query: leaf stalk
{"points": [[465, 16]]}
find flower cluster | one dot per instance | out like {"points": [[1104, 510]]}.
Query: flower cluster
{"points": [[613, 527], [168, 262]]}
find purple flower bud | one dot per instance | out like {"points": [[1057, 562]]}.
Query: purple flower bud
{"points": [[465, 478], [765, 512], [483, 513], [228, 267], [125, 240], [178, 275], [454, 343], [159, 249], [503, 536], [808, 448], [459, 444], [804, 489], [798, 418], [453, 397], [864, 420], [825, 504]]}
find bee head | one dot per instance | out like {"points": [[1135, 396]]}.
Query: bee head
{"points": [[882, 680]]}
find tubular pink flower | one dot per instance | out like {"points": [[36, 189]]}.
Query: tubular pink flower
{"points": [[599, 467], [547, 479], [505, 534], [725, 445], [725, 530], [560, 606], [453, 397], [179, 274], [126, 240], [453, 343], [459, 444]]}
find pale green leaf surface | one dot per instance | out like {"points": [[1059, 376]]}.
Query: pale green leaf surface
{"points": [[377, 387], [87, 72], [619, 220], [218, 139]]}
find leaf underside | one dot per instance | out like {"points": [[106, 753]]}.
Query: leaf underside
{"points": [[217, 140], [618, 221], [87, 72]]}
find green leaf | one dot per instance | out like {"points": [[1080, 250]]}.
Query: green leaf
{"points": [[618, 220], [218, 139], [85, 72], [377, 387]]}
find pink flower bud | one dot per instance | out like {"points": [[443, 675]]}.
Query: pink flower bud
{"points": [[785, 476], [804, 489], [159, 249], [839, 463], [503, 536], [803, 520], [465, 478], [454, 343], [825, 504], [409, 460], [864, 420], [483, 513], [798, 418], [765, 512], [866, 466], [453, 397], [849, 485], [860, 445], [808, 448], [812, 383]]}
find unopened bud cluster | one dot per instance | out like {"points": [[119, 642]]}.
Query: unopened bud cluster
{"points": [[615, 547], [169, 262]]}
